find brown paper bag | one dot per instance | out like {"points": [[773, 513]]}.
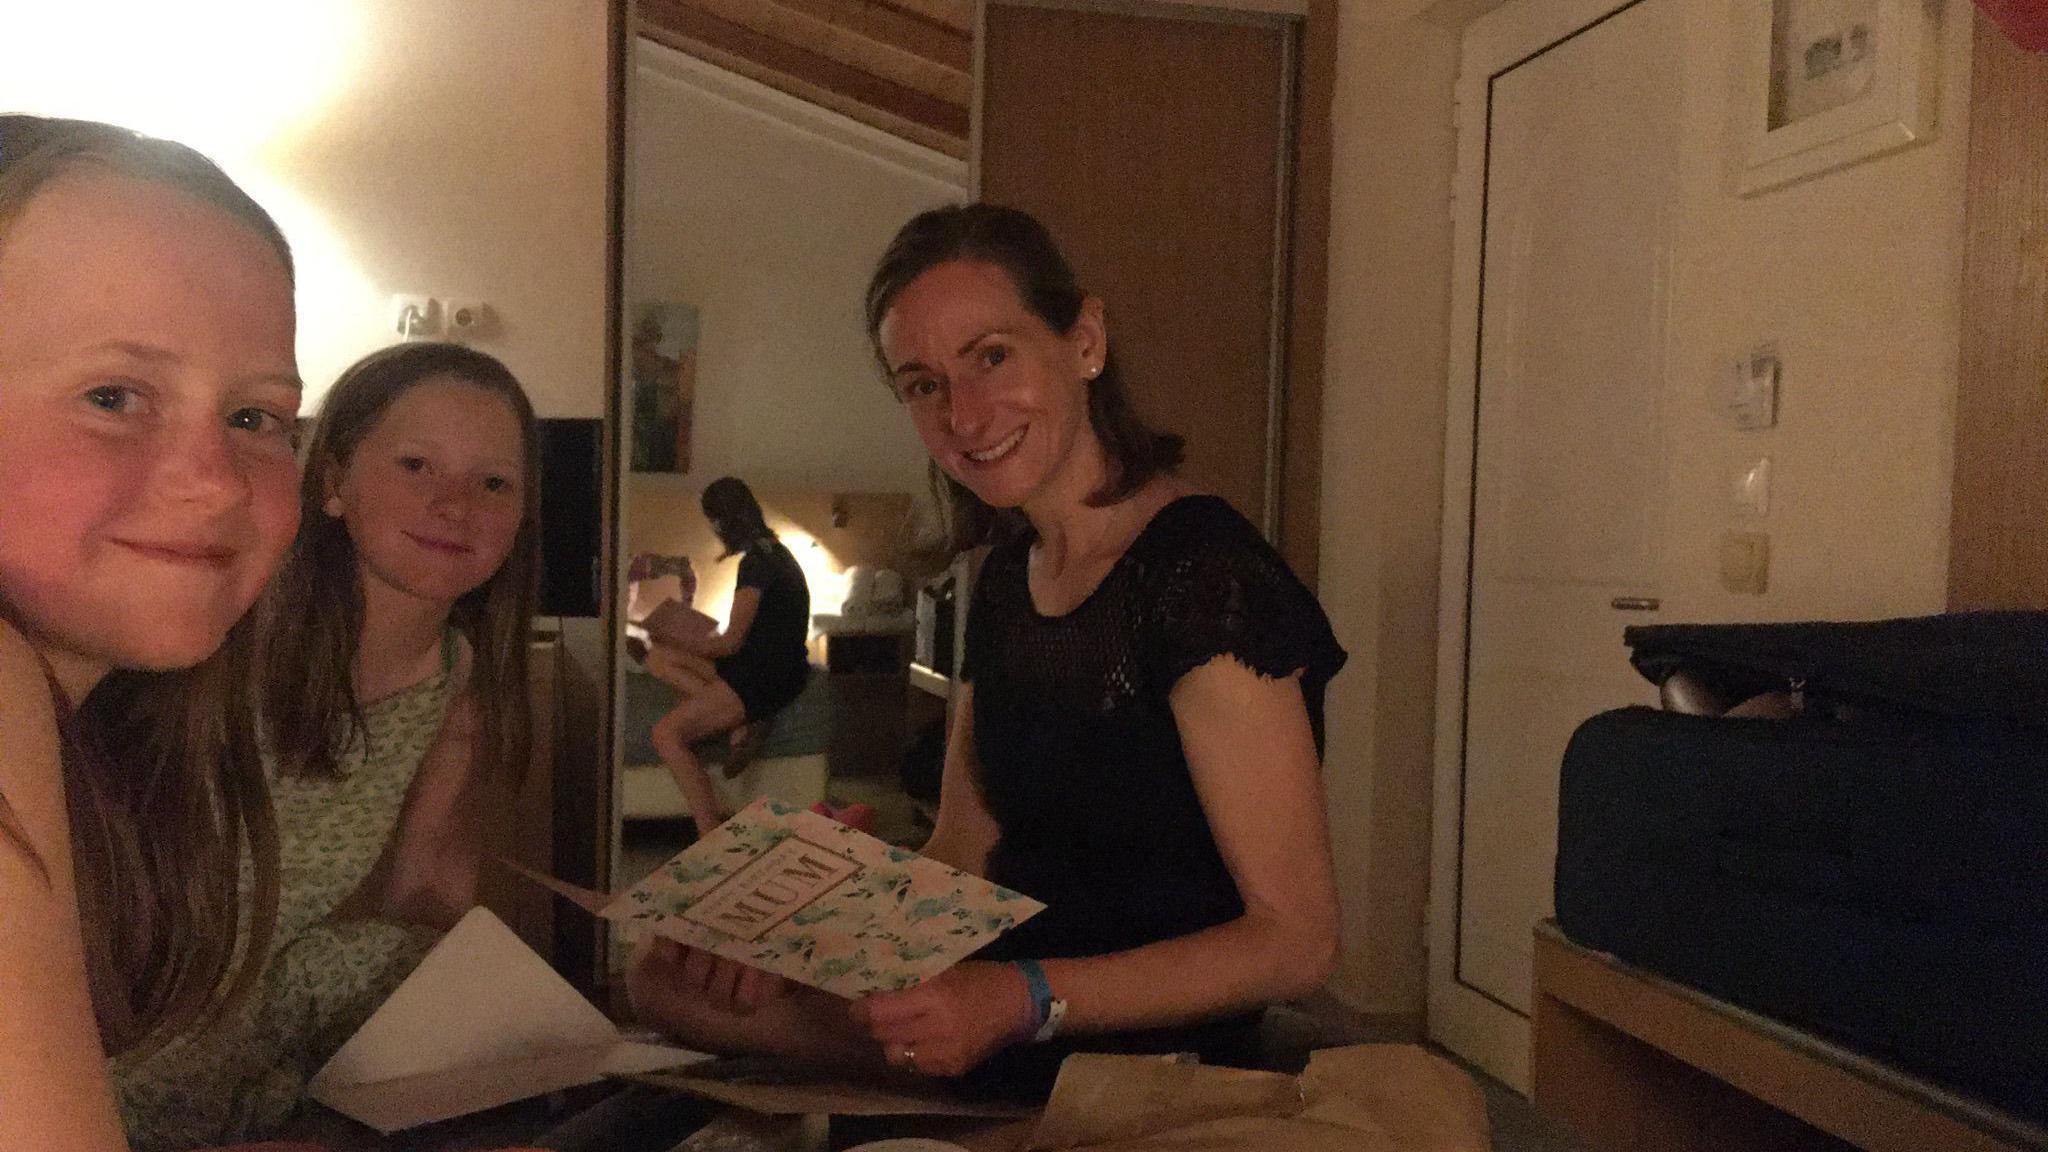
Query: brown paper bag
{"points": [[775, 1088], [1102, 1099], [1366, 1098]]}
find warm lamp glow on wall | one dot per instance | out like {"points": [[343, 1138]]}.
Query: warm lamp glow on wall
{"points": [[822, 570], [336, 299], [228, 77], [243, 81]]}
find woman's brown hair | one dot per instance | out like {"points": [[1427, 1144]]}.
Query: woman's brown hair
{"points": [[162, 779], [1017, 243], [314, 616], [735, 516]]}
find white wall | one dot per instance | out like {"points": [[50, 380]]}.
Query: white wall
{"points": [[768, 216], [1856, 275], [1383, 411], [455, 148]]}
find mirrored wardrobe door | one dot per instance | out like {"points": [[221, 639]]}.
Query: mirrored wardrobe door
{"points": [[773, 150]]}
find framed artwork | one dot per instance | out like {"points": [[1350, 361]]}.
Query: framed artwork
{"points": [[1825, 83], [664, 367]]}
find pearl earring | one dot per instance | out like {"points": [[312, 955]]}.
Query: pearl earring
{"points": [[333, 506]]}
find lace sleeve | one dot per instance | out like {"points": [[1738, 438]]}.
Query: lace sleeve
{"points": [[1236, 599]]}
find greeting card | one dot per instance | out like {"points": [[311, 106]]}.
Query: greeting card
{"points": [[808, 898]]}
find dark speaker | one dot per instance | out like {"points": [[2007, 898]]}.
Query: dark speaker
{"points": [[571, 515]]}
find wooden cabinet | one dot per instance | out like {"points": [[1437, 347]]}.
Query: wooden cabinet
{"points": [[867, 675], [1104, 118]]}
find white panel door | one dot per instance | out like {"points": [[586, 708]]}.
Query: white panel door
{"points": [[1564, 509]]}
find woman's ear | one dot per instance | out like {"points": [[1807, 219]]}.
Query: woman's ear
{"points": [[1090, 336], [330, 486]]}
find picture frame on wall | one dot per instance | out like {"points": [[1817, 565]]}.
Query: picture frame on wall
{"points": [[1828, 83], [664, 386]]}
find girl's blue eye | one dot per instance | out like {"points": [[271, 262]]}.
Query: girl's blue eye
{"points": [[994, 355], [115, 398], [413, 463]]}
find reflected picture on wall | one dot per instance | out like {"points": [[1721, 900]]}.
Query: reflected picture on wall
{"points": [[664, 386], [1823, 55]]}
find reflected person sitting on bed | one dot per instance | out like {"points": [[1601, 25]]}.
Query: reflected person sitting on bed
{"points": [[747, 671]]}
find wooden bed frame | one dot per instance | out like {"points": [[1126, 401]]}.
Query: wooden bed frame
{"points": [[1634, 1063]]}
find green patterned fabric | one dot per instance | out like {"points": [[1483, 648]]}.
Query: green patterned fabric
{"points": [[243, 1076]]}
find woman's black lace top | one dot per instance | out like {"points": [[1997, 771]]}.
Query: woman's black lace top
{"points": [[1081, 763]]}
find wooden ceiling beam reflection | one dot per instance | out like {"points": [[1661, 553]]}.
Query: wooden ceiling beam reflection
{"points": [[890, 25], [798, 29], [955, 14], [896, 65]]}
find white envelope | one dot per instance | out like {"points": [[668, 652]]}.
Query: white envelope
{"points": [[483, 1021]]}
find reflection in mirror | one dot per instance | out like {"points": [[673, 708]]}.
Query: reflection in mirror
{"points": [[663, 344], [755, 220]]}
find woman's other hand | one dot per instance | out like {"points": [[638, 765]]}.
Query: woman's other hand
{"points": [[665, 973], [952, 1022]]}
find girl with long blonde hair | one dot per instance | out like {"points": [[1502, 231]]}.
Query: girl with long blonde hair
{"points": [[395, 722], [147, 392]]}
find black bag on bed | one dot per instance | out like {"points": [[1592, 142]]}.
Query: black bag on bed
{"points": [[1874, 870]]}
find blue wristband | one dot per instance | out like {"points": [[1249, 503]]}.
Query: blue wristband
{"points": [[1041, 992]]}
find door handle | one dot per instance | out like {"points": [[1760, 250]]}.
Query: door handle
{"points": [[1635, 603]]}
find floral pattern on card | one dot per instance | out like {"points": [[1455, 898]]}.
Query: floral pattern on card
{"points": [[808, 898]]}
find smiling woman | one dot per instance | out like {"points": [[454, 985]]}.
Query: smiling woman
{"points": [[959, 295], [1136, 742]]}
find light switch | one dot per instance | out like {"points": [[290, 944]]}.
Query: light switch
{"points": [[415, 317], [1753, 396], [1750, 487], [1746, 562]]}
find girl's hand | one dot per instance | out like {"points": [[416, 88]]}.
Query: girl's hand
{"points": [[952, 1022], [664, 971]]}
